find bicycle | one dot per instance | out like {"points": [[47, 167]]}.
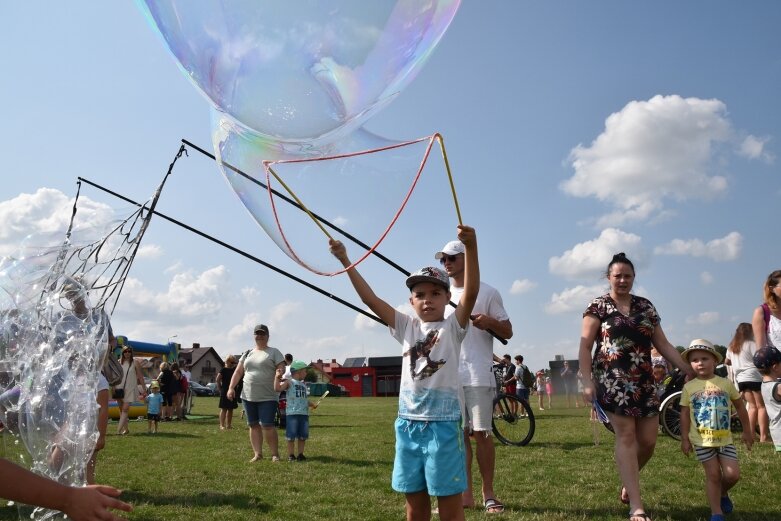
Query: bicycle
{"points": [[508, 426]]}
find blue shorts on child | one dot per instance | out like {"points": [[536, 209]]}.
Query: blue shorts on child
{"points": [[297, 427], [429, 456]]}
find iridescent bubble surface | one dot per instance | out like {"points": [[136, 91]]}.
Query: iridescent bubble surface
{"points": [[300, 71]]}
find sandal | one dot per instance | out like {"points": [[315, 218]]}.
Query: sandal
{"points": [[621, 497], [493, 506], [639, 516]]}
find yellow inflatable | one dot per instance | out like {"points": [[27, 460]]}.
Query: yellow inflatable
{"points": [[137, 410]]}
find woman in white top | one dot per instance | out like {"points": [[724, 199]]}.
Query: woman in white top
{"points": [[133, 385], [740, 358], [767, 332]]}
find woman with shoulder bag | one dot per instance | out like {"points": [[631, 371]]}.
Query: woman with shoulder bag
{"points": [[128, 391]]}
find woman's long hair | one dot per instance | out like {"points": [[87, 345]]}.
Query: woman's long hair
{"points": [[772, 281], [743, 333]]}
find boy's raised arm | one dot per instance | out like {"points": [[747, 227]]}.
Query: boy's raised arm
{"points": [[381, 308], [467, 235]]}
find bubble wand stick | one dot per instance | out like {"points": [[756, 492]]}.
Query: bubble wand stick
{"points": [[321, 399]]}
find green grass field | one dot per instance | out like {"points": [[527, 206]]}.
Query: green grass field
{"points": [[193, 471]]}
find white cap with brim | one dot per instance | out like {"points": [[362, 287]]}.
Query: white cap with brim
{"points": [[451, 248]]}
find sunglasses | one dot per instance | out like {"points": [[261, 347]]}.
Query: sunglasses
{"points": [[448, 258], [260, 333]]}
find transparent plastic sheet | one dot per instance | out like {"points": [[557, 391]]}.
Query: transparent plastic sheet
{"points": [[54, 339]]}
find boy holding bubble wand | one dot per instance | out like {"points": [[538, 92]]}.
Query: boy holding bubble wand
{"points": [[429, 399]]}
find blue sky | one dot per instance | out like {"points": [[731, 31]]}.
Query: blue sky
{"points": [[575, 130]]}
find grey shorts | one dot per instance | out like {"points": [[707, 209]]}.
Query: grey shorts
{"points": [[479, 405]]}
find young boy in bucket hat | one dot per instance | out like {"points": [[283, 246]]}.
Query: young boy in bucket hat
{"points": [[705, 425], [430, 456], [297, 409], [768, 362]]}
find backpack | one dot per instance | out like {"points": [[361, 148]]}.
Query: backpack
{"points": [[527, 378], [112, 369]]}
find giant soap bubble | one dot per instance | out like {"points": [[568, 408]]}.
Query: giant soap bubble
{"points": [[301, 72], [298, 80]]}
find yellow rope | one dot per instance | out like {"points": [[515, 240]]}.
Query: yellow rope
{"points": [[450, 177], [300, 203]]}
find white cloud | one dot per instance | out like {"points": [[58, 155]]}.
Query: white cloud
{"points": [[522, 286], [703, 319], [149, 251], [589, 259], [706, 278], [281, 312], [753, 147], [651, 151], [242, 332], [573, 299], [250, 294], [46, 214], [340, 221], [727, 248], [362, 322], [188, 296]]}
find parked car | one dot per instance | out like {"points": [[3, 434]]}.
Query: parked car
{"points": [[213, 387], [200, 390]]}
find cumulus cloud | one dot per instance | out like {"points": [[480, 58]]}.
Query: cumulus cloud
{"points": [[149, 251], [573, 299], [753, 147], [727, 248], [706, 278], [46, 214], [703, 319], [189, 295], [282, 311], [651, 151], [589, 259], [242, 332], [362, 322], [522, 286]]}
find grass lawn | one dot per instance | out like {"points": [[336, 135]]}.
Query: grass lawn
{"points": [[192, 471]]}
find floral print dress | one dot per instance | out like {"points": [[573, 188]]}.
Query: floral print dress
{"points": [[621, 366]]}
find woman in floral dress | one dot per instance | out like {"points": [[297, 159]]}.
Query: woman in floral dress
{"points": [[619, 374]]}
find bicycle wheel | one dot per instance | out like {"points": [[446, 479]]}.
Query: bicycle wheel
{"points": [[670, 415], [513, 421]]}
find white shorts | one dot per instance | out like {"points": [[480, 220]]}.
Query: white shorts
{"points": [[102, 383], [479, 405]]}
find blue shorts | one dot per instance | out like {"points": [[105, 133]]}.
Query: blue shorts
{"points": [[522, 394], [429, 456], [297, 427], [260, 413]]}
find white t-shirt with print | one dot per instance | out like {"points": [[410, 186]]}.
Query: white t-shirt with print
{"points": [[430, 387], [477, 355]]}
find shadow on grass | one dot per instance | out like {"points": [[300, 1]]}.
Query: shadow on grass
{"points": [[352, 462], [569, 445], [205, 499], [160, 434]]}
